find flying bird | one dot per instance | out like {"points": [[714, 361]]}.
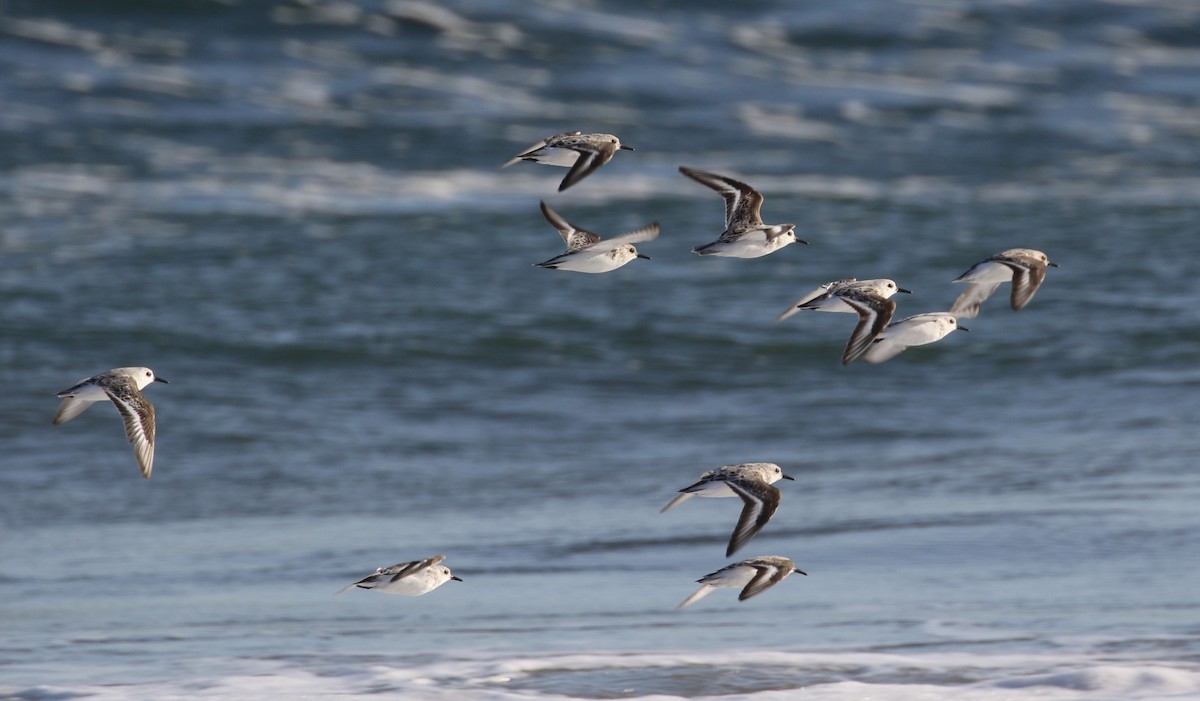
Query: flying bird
{"points": [[407, 578], [870, 299], [916, 330], [753, 483], [745, 235], [588, 253], [582, 153], [123, 387], [754, 576], [1025, 267]]}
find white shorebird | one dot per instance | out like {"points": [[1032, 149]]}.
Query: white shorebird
{"points": [[123, 387], [745, 235], [754, 576], [1025, 267], [752, 482], [582, 153], [916, 330], [588, 253], [870, 299], [407, 578]]}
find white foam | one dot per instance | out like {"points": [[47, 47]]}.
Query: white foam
{"points": [[745, 675]]}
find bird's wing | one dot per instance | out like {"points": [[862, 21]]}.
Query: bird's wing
{"points": [[967, 304], [742, 202], [590, 158], [573, 236], [1027, 278], [766, 575], [69, 409], [646, 233], [874, 313], [138, 413], [759, 502]]}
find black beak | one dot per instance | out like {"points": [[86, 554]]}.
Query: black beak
{"points": [[1052, 264], [901, 289], [643, 256], [801, 572], [788, 478], [963, 328], [162, 380], [455, 578], [627, 148]]}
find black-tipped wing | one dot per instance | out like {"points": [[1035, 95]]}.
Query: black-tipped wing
{"points": [[574, 237], [1027, 278], [591, 157], [766, 575], [742, 202], [874, 314], [138, 414], [407, 569], [759, 501], [394, 573]]}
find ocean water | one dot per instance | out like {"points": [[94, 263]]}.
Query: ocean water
{"points": [[294, 212]]}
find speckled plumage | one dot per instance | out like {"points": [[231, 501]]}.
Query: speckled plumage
{"points": [[582, 153], [754, 575], [587, 252], [870, 299], [123, 387], [407, 578], [1025, 267], [745, 235], [752, 482]]}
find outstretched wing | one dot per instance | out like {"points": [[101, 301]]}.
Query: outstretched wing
{"points": [[1027, 278], [646, 233], [967, 304], [742, 202], [874, 313], [574, 237], [883, 350], [138, 414], [591, 157], [766, 575], [760, 500]]}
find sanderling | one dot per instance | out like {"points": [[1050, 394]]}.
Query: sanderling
{"points": [[588, 253], [745, 235], [1025, 267], [123, 387], [916, 330], [582, 153], [407, 578], [752, 482], [870, 299], [754, 575]]}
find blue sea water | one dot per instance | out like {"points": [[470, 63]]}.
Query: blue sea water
{"points": [[294, 212]]}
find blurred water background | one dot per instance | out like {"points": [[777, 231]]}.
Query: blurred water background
{"points": [[293, 211]]}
